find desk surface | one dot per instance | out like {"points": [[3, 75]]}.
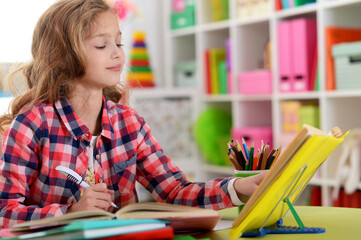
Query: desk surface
{"points": [[340, 223]]}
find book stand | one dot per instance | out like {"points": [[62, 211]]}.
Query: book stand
{"points": [[278, 228]]}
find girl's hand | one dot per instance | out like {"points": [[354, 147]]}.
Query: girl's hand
{"points": [[96, 197], [246, 186]]}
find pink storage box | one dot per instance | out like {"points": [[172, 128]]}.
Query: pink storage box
{"points": [[255, 82], [253, 133]]}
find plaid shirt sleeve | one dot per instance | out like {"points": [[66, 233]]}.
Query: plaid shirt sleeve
{"points": [[18, 170], [157, 173]]}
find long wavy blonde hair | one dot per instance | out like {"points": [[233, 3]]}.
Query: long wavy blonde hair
{"points": [[58, 57]]}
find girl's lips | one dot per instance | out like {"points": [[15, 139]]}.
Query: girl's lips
{"points": [[115, 68]]}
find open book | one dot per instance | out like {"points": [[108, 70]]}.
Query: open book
{"points": [[182, 218], [286, 179]]}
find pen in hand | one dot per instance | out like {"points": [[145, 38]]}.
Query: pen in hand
{"points": [[75, 178]]}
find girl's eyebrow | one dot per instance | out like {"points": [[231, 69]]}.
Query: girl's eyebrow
{"points": [[106, 35]]}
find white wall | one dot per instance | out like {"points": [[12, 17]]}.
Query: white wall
{"points": [[17, 22], [18, 19]]}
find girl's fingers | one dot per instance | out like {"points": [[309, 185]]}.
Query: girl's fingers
{"points": [[259, 177], [100, 187], [99, 191], [101, 204], [93, 202]]}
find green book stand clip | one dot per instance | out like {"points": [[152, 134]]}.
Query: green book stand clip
{"points": [[278, 228]]}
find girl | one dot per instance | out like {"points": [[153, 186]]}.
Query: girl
{"points": [[69, 117]]}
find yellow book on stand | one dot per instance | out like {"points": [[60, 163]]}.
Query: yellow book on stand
{"points": [[286, 180]]}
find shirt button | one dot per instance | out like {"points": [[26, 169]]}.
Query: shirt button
{"points": [[97, 156]]}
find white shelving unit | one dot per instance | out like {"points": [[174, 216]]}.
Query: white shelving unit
{"points": [[248, 38]]}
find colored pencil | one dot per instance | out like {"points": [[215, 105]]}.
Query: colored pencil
{"points": [[277, 155], [264, 158], [259, 164], [245, 148], [255, 161], [271, 158], [251, 154]]}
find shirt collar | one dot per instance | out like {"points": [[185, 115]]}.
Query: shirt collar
{"points": [[107, 128], [76, 127]]}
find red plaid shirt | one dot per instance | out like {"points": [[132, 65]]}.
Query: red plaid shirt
{"points": [[49, 135]]}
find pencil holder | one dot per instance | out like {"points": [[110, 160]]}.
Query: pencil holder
{"points": [[238, 173]]}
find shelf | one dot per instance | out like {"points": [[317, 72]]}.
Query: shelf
{"points": [[332, 183], [162, 92], [252, 98], [299, 96], [183, 32], [316, 181], [344, 94], [249, 38], [213, 26], [217, 98], [252, 20], [340, 3]]}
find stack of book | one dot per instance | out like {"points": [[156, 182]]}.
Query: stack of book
{"points": [[135, 221], [218, 73]]}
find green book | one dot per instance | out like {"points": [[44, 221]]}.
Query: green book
{"points": [[317, 87], [222, 76], [225, 8], [302, 2]]}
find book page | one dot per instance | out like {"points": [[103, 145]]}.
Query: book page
{"points": [[161, 210]]}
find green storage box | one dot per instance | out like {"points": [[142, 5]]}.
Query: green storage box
{"points": [[183, 19], [347, 60]]}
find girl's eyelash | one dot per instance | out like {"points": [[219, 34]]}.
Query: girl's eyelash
{"points": [[102, 47]]}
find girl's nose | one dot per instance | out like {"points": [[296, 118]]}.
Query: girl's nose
{"points": [[117, 52]]}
